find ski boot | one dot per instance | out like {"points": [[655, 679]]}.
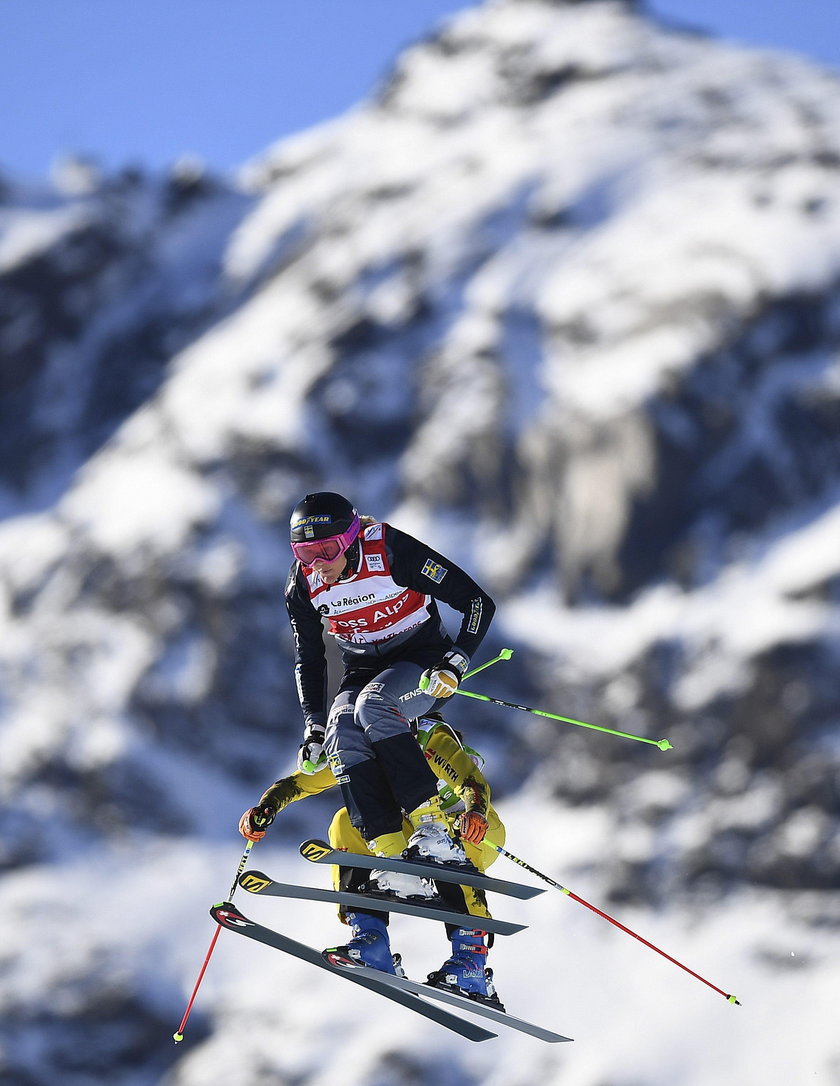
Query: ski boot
{"points": [[465, 972], [431, 841], [396, 883], [369, 946]]}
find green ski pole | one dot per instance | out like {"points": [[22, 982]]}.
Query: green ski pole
{"points": [[663, 744], [505, 654]]}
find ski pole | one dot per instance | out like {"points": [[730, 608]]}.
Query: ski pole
{"points": [[563, 890], [505, 654], [663, 744], [178, 1035]]}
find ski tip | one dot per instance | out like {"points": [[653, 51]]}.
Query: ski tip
{"points": [[254, 881], [314, 850]]}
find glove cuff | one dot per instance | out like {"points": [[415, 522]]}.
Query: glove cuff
{"points": [[457, 661]]}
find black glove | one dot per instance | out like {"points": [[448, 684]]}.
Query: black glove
{"points": [[255, 822], [311, 755], [441, 681]]}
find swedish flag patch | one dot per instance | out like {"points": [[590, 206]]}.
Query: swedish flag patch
{"points": [[434, 571]]}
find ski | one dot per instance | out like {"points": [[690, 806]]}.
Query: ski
{"points": [[257, 882], [320, 852], [228, 916], [464, 1003]]}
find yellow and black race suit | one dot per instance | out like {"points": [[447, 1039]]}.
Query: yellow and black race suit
{"points": [[461, 785]]}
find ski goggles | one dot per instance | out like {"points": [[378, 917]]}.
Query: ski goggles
{"points": [[326, 550]]}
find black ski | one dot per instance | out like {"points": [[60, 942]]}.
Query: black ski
{"points": [[228, 916], [320, 852], [257, 882], [472, 1006]]}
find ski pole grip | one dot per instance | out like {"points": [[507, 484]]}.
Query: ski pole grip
{"points": [[264, 818]]}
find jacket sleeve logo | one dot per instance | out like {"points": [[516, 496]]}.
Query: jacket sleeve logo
{"points": [[434, 571]]}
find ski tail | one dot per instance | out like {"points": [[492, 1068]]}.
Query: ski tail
{"points": [[457, 999]]}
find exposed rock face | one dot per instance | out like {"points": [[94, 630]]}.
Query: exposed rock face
{"points": [[543, 282]]}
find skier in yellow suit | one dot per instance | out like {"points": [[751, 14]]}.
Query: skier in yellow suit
{"points": [[465, 798]]}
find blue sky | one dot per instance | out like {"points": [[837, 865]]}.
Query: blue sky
{"points": [[143, 83]]}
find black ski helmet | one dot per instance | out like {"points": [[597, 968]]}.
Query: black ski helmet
{"points": [[320, 515]]}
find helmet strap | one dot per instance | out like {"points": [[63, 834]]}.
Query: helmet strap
{"points": [[352, 565]]}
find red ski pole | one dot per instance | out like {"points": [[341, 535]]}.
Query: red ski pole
{"points": [[612, 920], [178, 1035]]}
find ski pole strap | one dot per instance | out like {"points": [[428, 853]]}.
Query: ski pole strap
{"points": [[616, 923], [662, 744]]}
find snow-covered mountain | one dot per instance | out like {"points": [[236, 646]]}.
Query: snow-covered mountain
{"points": [[563, 299]]}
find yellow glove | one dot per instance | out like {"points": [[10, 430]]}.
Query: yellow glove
{"points": [[441, 681]]}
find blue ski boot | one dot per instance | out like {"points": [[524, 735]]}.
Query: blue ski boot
{"points": [[465, 972], [369, 946]]}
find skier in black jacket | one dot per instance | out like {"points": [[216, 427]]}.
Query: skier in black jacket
{"points": [[378, 590]]}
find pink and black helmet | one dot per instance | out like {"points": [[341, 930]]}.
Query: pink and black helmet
{"points": [[322, 526]]}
